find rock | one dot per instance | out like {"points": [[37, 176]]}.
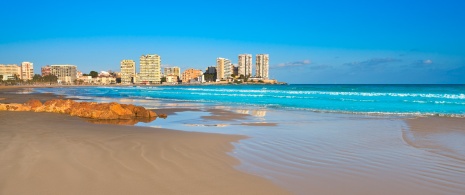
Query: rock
{"points": [[93, 110], [14, 107], [162, 115], [33, 103]]}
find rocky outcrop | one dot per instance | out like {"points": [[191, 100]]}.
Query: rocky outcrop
{"points": [[93, 110]]}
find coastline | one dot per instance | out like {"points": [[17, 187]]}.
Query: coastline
{"points": [[43, 153], [328, 153]]}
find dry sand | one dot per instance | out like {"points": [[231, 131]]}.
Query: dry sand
{"points": [[48, 153]]}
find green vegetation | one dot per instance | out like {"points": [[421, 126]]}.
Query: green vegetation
{"points": [[209, 77]]}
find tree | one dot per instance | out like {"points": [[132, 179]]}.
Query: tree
{"points": [[50, 79], [37, 78], [94, 74], [163, 79], [1, 78]]}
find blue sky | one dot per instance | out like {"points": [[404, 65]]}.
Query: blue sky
{"points": [[357, 41]]}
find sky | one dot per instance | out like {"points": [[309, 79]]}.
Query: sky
{"points": [[309, 42]]}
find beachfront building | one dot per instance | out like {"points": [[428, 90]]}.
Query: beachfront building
{"points": [[150, 69], [8, 71], [171, 80], [190, 74], [261, 66], [46, 70], [210, 70], [245, 65], [223, 69], [169, 71], [27, 71], [104, 80], [65, 73], [128, 71]]}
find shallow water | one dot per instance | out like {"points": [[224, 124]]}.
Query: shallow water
{"points": [[317, 153]]}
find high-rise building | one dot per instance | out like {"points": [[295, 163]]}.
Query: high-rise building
{"points": [[261, 66], [170, 71], [150, 69], [191, 74], [224, 68], [8, 71], [245, 65], [27, 70], [65, 73], [46, 70], [128, 71]]}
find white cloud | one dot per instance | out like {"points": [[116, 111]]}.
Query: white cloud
{"points": [[428, 61]]}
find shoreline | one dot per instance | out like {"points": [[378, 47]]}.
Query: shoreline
{"points": [[45, 153], [311, 152]]}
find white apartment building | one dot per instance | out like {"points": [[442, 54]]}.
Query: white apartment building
{"points": [[245, 65], [27, 70], [128, 71], [65, 73], [150, 69], [262, 66]]}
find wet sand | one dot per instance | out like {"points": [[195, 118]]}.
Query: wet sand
{"points": [[326, 153], [48, 153]]}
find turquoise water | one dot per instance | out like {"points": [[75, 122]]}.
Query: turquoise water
{"points": [[442, 100]]}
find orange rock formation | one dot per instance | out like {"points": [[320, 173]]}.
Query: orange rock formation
{"points": [[93, 110]]}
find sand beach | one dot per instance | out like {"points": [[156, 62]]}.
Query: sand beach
{"points": [[224, 149], [48, 153]]}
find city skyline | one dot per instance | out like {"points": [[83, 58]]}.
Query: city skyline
{"points": [[311, 42]]}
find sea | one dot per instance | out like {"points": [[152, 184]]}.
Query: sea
{"points": [[403, 100], [320, 139]]}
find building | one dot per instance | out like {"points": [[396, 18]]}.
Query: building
{"points": [[46, 70], [128, 71], [65, 73], [245, 65], [223, 68], [169, 71], [27, 71], [235, 70], [8, 71], [210, 70], [150, 69], [104, 80], [171, 80], [190, 74], [262, 66]]}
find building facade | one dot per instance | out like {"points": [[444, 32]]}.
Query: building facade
{"points": [[27, 70], [223, 68], [262, 66], [128, 71], [190, 74], [65, 73], [8, 71], [46, 70], [245, 65], [150, 69], [170, 71]]}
